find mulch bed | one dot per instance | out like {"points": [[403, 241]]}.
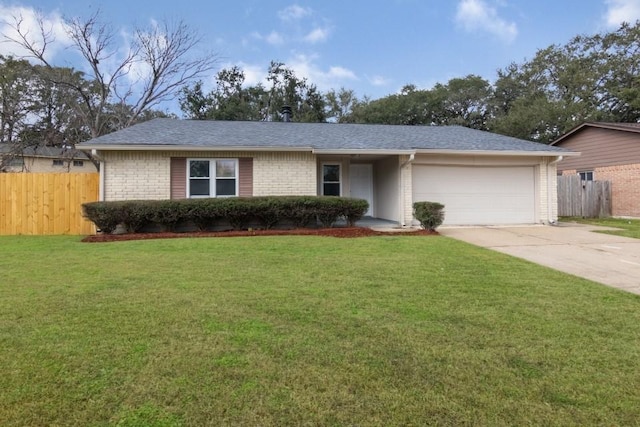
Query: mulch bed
{"points": [[345, 232]]}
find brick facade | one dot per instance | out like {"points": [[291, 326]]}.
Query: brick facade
{"points": [[625, 187], [140, 175]]}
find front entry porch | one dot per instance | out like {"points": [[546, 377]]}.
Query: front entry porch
{"points": [[374, 178]]}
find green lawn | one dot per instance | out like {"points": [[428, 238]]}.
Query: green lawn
{"points": [[628, 227], [307, 331]]}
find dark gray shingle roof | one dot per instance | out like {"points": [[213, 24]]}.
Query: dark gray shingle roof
{"points": [[318, 136]]}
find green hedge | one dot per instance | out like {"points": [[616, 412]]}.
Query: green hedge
{"points": [[429, 214], [238, 212]]}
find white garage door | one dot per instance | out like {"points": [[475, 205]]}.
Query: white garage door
{"points": [[478, 195]]}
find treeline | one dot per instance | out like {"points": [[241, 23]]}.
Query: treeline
{"points": [[591, 78]]}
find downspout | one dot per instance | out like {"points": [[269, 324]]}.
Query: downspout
{"points": [[402, 221], [549, 212], [102, 177]]}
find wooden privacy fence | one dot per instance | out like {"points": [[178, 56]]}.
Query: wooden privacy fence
{"points": [[587, 199], [46, 203]]}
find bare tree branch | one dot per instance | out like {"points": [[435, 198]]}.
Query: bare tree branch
{"points": [[36, 48], [161, 56]]}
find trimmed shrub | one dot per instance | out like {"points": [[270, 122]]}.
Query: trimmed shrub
{"points": [[203, 213], [136, 214], [268, 211], [429, 214], [104, 215], [328, 210], [301, 211], [238, 211], [167, 213], [353, 210]]}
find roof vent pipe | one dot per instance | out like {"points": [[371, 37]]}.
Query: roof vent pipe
{"points": [[286, 113]]}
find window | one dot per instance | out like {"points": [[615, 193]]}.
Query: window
{"points": [[16, 162], [586, 175], [331, 180], [58, 162], [213, 178], [78, 163]]}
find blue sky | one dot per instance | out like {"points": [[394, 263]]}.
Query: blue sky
{"points": [[371, 46]]}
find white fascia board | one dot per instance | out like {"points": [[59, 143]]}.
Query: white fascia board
{"points": [[127, 147], [363, 151], [500, 153]]}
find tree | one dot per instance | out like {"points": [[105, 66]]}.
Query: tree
{"points": [[591, 78], [462, 101], [304, 99], [159, 58], [231, 100], [340, 104], [17, 94], [465, 102]]}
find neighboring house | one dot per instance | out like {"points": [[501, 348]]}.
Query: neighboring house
{"points": [[480, 177], [45, 159], [610, 152]]}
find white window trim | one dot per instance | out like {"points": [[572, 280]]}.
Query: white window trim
{"points": [[212, 177], [331, 182]]}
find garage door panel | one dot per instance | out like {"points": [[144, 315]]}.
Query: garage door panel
{"points": [[478, 195]]}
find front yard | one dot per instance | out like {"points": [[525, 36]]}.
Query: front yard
{"points": [[400, 330], [627, 227]]}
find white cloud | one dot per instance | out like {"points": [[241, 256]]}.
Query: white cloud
{"points": [[341, 73], [294, 13], [29, 20], [253, 74], [378, 80], [619, 11], [476, 15], [317, 35], [305, 66], [274, 38]]}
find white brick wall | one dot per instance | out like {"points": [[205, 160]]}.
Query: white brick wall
{"points": [[406, 181], [136, 176], [145, 175], [284, 174]]}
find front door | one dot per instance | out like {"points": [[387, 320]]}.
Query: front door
{"points": [[361, 183]]}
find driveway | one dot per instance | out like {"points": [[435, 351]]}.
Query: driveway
{"points": [[571, 248]]}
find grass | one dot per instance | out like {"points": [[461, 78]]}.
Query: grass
{"points": [[628, 227], [307, 331]]}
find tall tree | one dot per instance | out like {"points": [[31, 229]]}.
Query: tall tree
{"points": [[232, 100], [160, 58], [17, 95], [340, 104], [589, 78]]}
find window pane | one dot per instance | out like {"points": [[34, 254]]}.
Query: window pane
{"points": [[331, 173], [331, 189], [199, 169], [225, 187], [225, 168], [586, 176], [198, 187]]}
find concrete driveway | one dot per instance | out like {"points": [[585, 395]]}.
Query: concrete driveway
{"points": [[571, 248]]}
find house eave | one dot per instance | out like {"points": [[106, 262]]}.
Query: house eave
{"points": [[129, 147], [499, 153], [384, 152]]}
